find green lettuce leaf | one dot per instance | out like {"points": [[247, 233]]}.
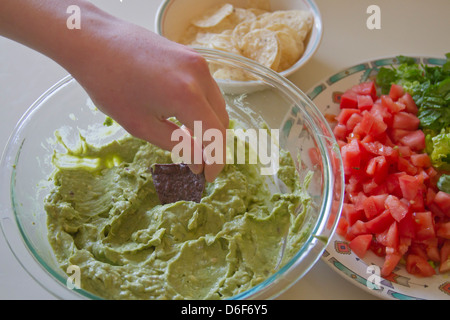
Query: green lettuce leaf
{"points": [[444, 183], [438, 147]]}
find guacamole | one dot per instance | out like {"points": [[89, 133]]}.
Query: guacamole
{"points": [[104, 216]]}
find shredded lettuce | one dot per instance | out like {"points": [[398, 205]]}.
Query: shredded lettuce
{"points": [[430, 88], [438, 147], [444, 183], [428, 85]]}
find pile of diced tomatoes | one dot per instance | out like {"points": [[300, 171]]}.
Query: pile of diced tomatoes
{"points": [[392, 205]]}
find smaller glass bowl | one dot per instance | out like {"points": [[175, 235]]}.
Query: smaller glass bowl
{"points": [[26, 166]]}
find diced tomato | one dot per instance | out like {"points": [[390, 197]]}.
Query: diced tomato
{"points": [[370, 187], [378, 169], [370, 208], [359, 200], [366, 88], [390, 262], [423, 178], [379, 201], [351, 214], [437, 212], [404, 243], [314, 156], [442, 200], [377, 248], [361, 244], [380, 223], [341, 228], [404, 165], [396, 207], [351, 156], [340, 131], [370, 125], [352, 186], [405, 121], [379, 109], [430, 196], [418, 249], [389, 237], [443, 230], [353, 120], [419, 266], [379, 149], [393, 107], [341, 143], [409, 186], [364, 102], [397, 134], [404, 151], [431, 248], [396, 92], [357, 229], [345, 114], [432, 172], [392, 205], [408, 101], [378, 126], [407, 227], [349, 100], [393, 185], [421, 160], [424, 225], [415, 140], [385, 139], [418, 203]]}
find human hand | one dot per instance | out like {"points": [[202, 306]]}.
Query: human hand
{"points": [[133, 75], [141, 79]]}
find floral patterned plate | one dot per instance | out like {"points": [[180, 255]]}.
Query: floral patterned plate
{"points": [[364, 273]]}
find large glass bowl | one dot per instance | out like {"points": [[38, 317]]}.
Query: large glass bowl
{"points": [[26, 166]]}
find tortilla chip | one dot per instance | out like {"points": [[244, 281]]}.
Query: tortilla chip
{"points": [[214, 16], [261, 45], [176, 182]]}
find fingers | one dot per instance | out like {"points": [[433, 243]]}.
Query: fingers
{"points": [[217, 103], [196, 158], [211, 111], [208, 128], [200, 142], [169, 136], [205, 85], [194, 98]]}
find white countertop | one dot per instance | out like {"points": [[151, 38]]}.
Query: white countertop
{"points": [[408, 27]]}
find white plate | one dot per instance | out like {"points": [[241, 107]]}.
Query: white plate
{"points": [[361, 272]]}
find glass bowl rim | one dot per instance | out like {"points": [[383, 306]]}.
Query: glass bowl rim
{"points": [[316, 237]]}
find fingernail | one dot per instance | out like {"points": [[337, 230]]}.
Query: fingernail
{"points": [[196, 168]]}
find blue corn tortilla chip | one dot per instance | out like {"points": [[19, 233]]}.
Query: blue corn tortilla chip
{"points": [[176, 182]]}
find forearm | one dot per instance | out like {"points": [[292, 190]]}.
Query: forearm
{"points": [[42, 26], [135, 76]]}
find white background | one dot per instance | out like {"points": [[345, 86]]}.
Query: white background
{"points": [[408, 27]]}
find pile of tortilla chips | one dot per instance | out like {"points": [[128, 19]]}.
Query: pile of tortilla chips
{"points": [[273, 39]]}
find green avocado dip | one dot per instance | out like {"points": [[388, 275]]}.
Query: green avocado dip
{"points": [[104, 216]]}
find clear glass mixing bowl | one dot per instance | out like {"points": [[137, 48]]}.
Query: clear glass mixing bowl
{"points": [[26, 166]]}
